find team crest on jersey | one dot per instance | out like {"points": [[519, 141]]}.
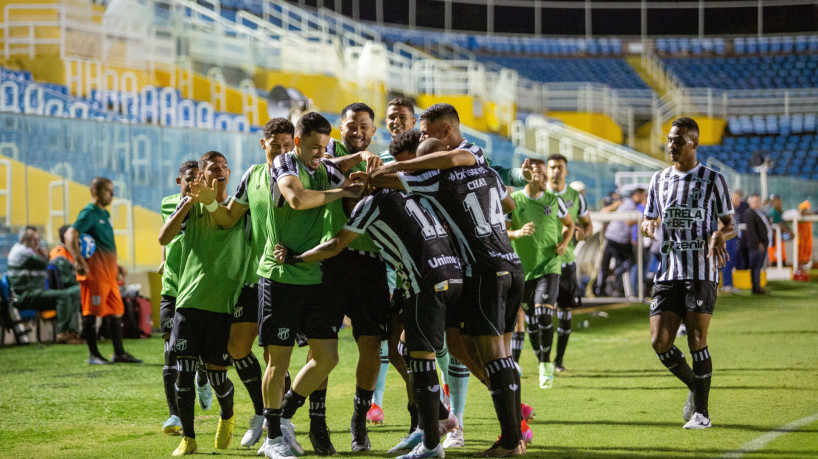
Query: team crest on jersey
{"points": [[238, 311], [547, 211], [181, 344], [569, 203], [696, 194], [283, 333]]}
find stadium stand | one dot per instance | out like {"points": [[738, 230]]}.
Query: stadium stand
{"points": [[747, 72], [794, 155], [613, 72]]}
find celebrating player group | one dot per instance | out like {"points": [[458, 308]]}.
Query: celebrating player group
{"points": [[421, 247]]}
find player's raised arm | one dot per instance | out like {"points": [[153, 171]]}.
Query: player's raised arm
{"points": [[174, 224], [345, 163]]}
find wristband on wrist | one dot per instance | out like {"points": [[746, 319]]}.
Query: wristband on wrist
{"points": [[292, 258], [212, 206]]}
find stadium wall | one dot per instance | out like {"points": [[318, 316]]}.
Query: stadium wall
{"points": [[598, 124]]}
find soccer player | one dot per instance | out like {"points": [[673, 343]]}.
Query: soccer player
{"points": [[556, 171], [472, 200], [171, 263], [212, 268], [400, 117], [293, 297], [540, 230], [98, 274], [683, 202], [415, 244], [251, 201], [357, 277]]}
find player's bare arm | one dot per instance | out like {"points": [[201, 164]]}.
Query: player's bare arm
{"points": [[438, 160], [526, 230], [381, 179], [567, 234], [72, 243], [320, 252], [301, 199], [583, 229], [718, 246], [174, 224], [345, 163], [508, 204]]}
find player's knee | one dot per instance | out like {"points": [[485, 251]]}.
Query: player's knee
{"points": [[660, 343], [238, 348], [696, 342]]}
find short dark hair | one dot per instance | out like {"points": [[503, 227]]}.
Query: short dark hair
{"points": [[278, 126], [356, 107], [557, 157], [23, 234], [438, 112], [186, 166], [755, 195], [63, 229], [97, 182], [687, 123], [207, 157], [312, 122], [405, 141], [402, 102]]}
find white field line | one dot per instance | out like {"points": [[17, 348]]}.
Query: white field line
{"points": [[763, 440]]}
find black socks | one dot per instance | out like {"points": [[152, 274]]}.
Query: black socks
{"points": [[427, 397], [249, 372], [702, 369]]}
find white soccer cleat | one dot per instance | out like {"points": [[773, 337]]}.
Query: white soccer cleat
{"points": [[421, 451], [288, 431], [447, 425], [454, 439], [276, 448], [689, 408], [255, 431], [698, 421]]}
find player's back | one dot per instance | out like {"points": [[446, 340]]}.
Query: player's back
{"points": [[411, 238], [469, 199]]}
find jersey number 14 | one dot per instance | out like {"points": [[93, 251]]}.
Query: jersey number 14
{"points": [[482, 227]]}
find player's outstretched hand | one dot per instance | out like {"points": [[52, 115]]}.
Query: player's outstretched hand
{"points": [[579, 233], [373, 161], [359, 177], [718, 249], [649, 227], [354, 190], [204, 194]]}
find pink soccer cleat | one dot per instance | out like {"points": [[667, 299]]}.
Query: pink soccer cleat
{"points": [[375, 414]]}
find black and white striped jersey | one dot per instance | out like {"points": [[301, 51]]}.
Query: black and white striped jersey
{"points": [[411, 238], [688, 205], [468, 199]]}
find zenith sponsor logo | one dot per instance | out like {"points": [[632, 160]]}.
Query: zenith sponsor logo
{"points": [[505, 256], [443, 260], [682, 246]]}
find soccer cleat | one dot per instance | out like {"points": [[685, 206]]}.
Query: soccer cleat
{"points": [[546, 375], [288, 431], [447, 425], [559, 367], [224, 432], [375, 414], [321, 443], [276, 448], [420, 451], [253, 434], [689, 408], [98, 360], [360, 439], [187, 446], [528, 412], [528, 434], [498, 451], [698, 421], [125, 358], [408, 442], [172, 426], [205, 395], [454, 439]]}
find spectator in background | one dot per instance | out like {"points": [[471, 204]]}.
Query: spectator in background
{"points": [[618, 245], [28, 261], [804, 235], [61, 258], [742, 257], [757, 237], [611, 202], [776, 217]]}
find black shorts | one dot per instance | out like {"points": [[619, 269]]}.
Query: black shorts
{"points": [[359, 290], [246, 309], [202, 334], [167, 309], [489, 303], [541, 291], [286, 309], [683, 296], [424, 315], [567, 296]]}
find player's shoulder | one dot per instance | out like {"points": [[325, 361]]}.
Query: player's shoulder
{"points": [[172, 199]]}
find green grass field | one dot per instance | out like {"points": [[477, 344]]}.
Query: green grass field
{"points": [[615, 400]]}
